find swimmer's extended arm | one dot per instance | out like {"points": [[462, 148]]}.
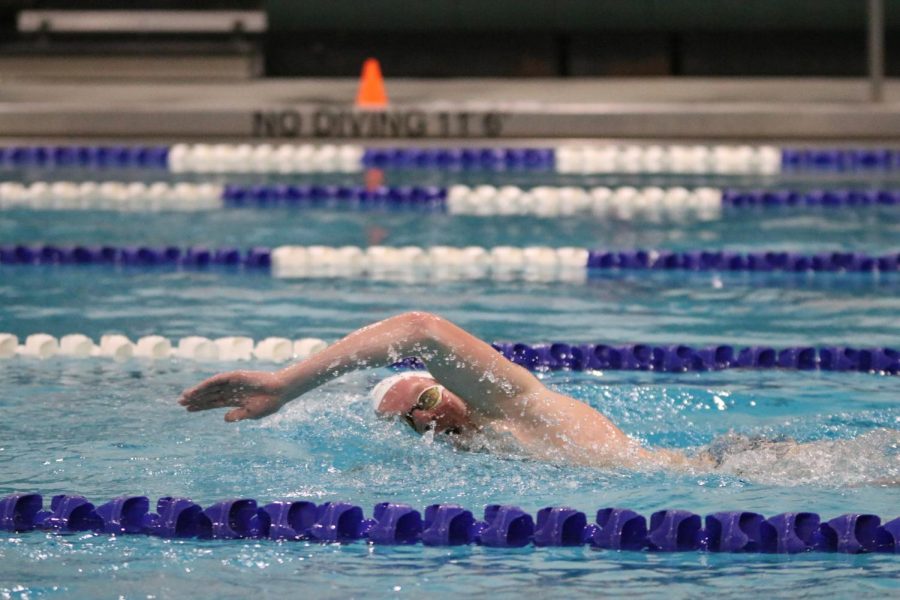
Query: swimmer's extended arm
{"points": [[460, 361], [493, 386]]}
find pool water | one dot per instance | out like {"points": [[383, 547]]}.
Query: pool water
{"points": [[102, 429]]}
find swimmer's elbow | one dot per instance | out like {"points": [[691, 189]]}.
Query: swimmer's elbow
{"points": [[425, 326], [429, 331], [419, 317]]}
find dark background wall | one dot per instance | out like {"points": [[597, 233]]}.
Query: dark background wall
{"points": [[603, 53], [528, 38], [521, 38]]}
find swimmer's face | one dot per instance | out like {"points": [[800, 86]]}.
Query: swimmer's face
{"points": [[423, 403]]}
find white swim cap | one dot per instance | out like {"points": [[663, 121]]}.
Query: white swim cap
{"points": [[380, 390]]}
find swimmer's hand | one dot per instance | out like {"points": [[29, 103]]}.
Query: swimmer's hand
{"points": [[254, 394]]}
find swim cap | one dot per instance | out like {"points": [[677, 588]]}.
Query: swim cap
{"points": [[384, 386]]}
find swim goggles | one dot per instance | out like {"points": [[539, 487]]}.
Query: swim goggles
{"points": [[428, 399]]}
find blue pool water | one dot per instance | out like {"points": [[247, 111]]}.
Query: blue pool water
{"points": [[102, 429]]}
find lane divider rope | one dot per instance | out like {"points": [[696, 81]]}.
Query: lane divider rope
{"points": [[502, 262], [119, 347], [562, 158], [111, 195], [556, 356], [623, 203], [502, 526]]}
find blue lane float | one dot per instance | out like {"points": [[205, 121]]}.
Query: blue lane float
{"points": [[362, 197], [106, 157], [735, 198], [460, 158], [136, 256], [765, 261], [683, 358], [840, 159], [502, 526], [177, 518]]}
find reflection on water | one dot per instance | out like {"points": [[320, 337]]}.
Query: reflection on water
{"points": [[88, 566]]}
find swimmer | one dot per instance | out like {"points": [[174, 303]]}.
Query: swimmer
{"points": [[475, 398], [470, 391]]}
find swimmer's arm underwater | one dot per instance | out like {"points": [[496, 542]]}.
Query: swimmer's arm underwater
{"points": [[464, 364]]}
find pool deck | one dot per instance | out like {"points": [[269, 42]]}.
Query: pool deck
{"points": [[763, 110]]}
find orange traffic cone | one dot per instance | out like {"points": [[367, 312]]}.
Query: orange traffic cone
{"points": [[371, 92]]}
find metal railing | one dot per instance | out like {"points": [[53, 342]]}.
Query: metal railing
{"points": [[876, 50], [142, 21]]}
